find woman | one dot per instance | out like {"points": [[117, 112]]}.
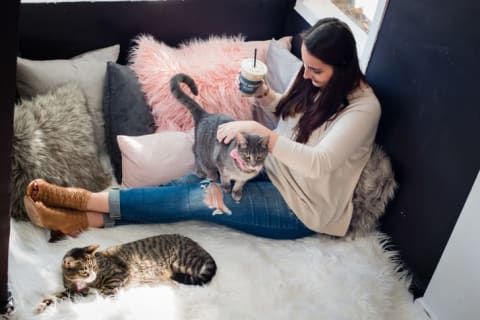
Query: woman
{"points": [[327, 125]]}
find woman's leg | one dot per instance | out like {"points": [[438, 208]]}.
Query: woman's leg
{"points": [[97, 206], [261, 211], [53, 205], [41, 194], [98, 202]]}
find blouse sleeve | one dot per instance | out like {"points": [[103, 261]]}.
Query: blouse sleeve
{"points": [[352, 130]]}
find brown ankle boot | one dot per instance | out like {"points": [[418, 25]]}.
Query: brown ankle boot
{"points": [[67, 221], [55, 196]]}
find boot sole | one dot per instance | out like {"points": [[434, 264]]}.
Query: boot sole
{"points": [[32, 211]]}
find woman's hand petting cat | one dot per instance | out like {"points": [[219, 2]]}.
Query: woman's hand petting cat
{"points": [[228, 131]]}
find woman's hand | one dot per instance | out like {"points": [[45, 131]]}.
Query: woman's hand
{"points": [[261, 90], [228, 131]]}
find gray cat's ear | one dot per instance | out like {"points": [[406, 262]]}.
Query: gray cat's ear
{"points": [[241, 140], [92, 248], [264, 140]]}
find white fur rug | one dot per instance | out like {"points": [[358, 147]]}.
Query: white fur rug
{"points": [[310, 278]]}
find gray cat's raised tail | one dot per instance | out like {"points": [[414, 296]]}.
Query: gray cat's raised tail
{"points": [[195, 109]]}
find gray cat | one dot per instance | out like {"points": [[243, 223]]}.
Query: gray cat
{"points": [[163, 258], [240, 160]]}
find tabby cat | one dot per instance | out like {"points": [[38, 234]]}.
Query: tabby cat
{"points": [[240, 160], [156, 259]]}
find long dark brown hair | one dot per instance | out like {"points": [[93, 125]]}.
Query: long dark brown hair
{"points": [[331, 41]]}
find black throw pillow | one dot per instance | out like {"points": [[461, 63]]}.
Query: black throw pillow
{"points": [[125, 111]]}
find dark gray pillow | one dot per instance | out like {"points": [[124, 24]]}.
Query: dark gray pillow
{"points": [[125, 111], [283, 66], [53, 139]]}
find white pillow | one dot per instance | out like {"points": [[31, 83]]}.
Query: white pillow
{"points": [[155, 159]]}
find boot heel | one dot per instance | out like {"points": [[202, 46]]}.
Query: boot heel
{"points": [[32, 212]]}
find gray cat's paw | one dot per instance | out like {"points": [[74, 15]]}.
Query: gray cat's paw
{"points": [[237, 195], [227, 188]]}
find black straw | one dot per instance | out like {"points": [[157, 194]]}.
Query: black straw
{"points": [[255, 58]]}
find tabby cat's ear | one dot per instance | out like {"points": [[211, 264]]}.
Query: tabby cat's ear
{"points": [[91, 248]]}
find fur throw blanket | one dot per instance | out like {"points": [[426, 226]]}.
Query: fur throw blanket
{"points": [[311, 278]]}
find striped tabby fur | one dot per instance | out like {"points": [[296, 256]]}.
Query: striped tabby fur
{"points": [[157, 259]]}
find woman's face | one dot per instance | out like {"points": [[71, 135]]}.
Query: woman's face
{"points": [[315, 69]]}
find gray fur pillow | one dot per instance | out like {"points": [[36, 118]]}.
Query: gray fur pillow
{"points": [[87, 69], [53, 139], [375, 188]]}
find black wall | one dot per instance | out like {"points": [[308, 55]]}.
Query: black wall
{"points": [[62, 30], [8, 55], [425, 70]]}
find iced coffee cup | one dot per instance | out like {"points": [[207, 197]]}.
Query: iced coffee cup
{"points": [[251, 74]]}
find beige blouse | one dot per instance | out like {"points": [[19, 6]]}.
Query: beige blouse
{"points": [[317, 179]]}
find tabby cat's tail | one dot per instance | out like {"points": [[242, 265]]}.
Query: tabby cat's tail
{"points": [[198, 277], [195, 109]]}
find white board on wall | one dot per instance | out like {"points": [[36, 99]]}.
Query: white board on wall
{"points": [[313, 10], [454, 290]]}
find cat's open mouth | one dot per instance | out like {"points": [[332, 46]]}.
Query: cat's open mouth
{"points": [[80, 285]]}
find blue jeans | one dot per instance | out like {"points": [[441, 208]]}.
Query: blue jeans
{"points": [[261, 211]]}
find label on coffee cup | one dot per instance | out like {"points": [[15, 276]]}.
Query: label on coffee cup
{"points": [[251, 75]]}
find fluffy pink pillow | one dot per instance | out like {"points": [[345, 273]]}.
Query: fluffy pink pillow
{"points": [[155, 159], [213, 64]]}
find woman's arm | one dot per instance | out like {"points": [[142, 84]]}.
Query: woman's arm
{"points": [[228, 131], [266, 97], [349, 133], [354, 129]]}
